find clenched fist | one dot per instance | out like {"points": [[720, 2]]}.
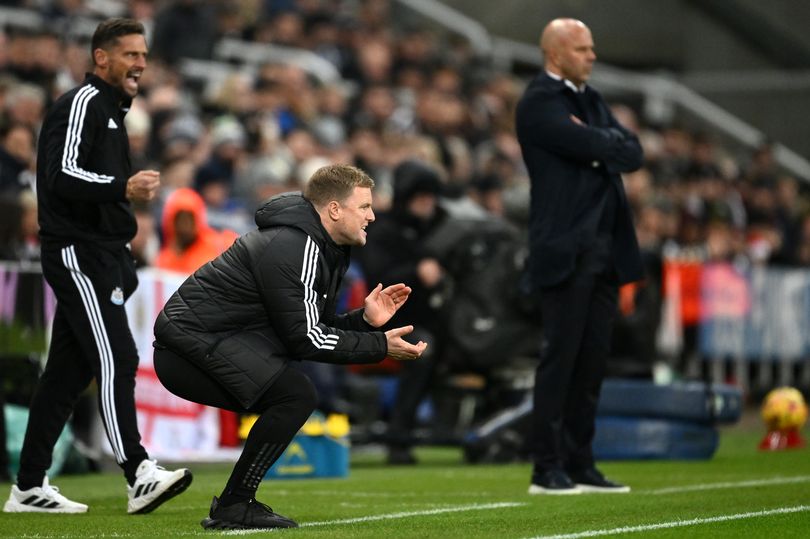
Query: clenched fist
{"points": [[143, 186]]}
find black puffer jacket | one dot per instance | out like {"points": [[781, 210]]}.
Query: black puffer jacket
{"points": [[266, 300]]}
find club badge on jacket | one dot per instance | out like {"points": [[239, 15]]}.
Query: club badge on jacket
{"points": [[117, 296]]}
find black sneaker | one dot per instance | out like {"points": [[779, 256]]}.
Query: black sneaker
{"points": [[249, 514], [592, 480], [552, 482]]}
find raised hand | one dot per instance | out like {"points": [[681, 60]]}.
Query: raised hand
{"points": [[399, 348], [382, 303]]}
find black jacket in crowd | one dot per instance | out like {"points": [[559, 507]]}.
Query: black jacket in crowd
{"points": [[268, 299], [82, 168], [575, 172], [397, 243]]}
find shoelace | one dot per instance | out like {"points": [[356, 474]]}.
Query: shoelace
{"points": [[257, 502], [155, 467], [51, 491]]}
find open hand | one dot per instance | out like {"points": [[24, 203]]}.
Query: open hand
{"points": [[382, 303], [399, 348]]}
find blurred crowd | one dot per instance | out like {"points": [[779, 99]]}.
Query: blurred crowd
{"points": [[249, 126], [403, 92]]}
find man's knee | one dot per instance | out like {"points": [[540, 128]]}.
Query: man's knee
{"points": [[308, 395], [296, 389]]}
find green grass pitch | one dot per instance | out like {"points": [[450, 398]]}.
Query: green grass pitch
{"points": [[741, 492]]}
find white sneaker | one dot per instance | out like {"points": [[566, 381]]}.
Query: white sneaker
{"points": [[155, 485], [44, 499]]}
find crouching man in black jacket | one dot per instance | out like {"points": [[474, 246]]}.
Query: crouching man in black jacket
{"points": [[225, 338]]}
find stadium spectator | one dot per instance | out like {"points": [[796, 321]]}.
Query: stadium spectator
{"points": [[25, 104], [225, 338], [413, 217], [582, 246], [789, 208], [146, 243], [322, 33], [139, 126], [188, 241], [18, 227], [215, 179], [185, 29], [16, 158], [74, 64], [84, 189]]}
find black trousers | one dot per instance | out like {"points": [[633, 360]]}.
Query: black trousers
{"points": [[415, 379], [577, 318], [282, 410], [90, 339]]}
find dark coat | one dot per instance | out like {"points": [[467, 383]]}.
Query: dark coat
{"points": [[574, 169], [268, 299]]}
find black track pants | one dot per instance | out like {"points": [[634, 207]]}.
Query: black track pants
{"points": [[282, 410], [90, 339]]}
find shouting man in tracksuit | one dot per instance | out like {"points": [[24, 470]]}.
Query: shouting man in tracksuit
{"points": [[84, 189]]}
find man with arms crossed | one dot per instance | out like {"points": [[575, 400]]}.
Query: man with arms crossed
{"points": [[582, 247]]}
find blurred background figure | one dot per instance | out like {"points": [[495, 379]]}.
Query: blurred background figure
{"points": [[188, 240], [16, 158], [395, 252]]}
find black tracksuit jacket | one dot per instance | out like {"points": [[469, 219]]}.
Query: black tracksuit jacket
{"points": [[82, 169]]}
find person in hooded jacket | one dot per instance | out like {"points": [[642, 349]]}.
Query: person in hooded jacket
{"points": [[397, 251], [188, 240], [227, 336]]}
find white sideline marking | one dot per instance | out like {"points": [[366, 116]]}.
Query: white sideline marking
{"points": [[731, 484], [381, 494], [406, 514], [678, 523], [394, 516]]}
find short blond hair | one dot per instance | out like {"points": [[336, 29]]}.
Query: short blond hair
{"points": [[335, 182]]}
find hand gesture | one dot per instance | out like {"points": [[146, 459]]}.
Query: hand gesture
{"points": [[381, 304], [399, 348], [143, 186]]}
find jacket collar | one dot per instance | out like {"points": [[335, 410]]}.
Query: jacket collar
{"points": [[121, 100], [568, 84]]}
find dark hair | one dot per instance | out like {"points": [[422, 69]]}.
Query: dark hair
{"points": [[413, 177], [335, 182], [108, 32]]}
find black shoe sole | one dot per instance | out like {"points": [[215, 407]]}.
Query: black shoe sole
{"points": [[212, 524], [177, 488]]}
